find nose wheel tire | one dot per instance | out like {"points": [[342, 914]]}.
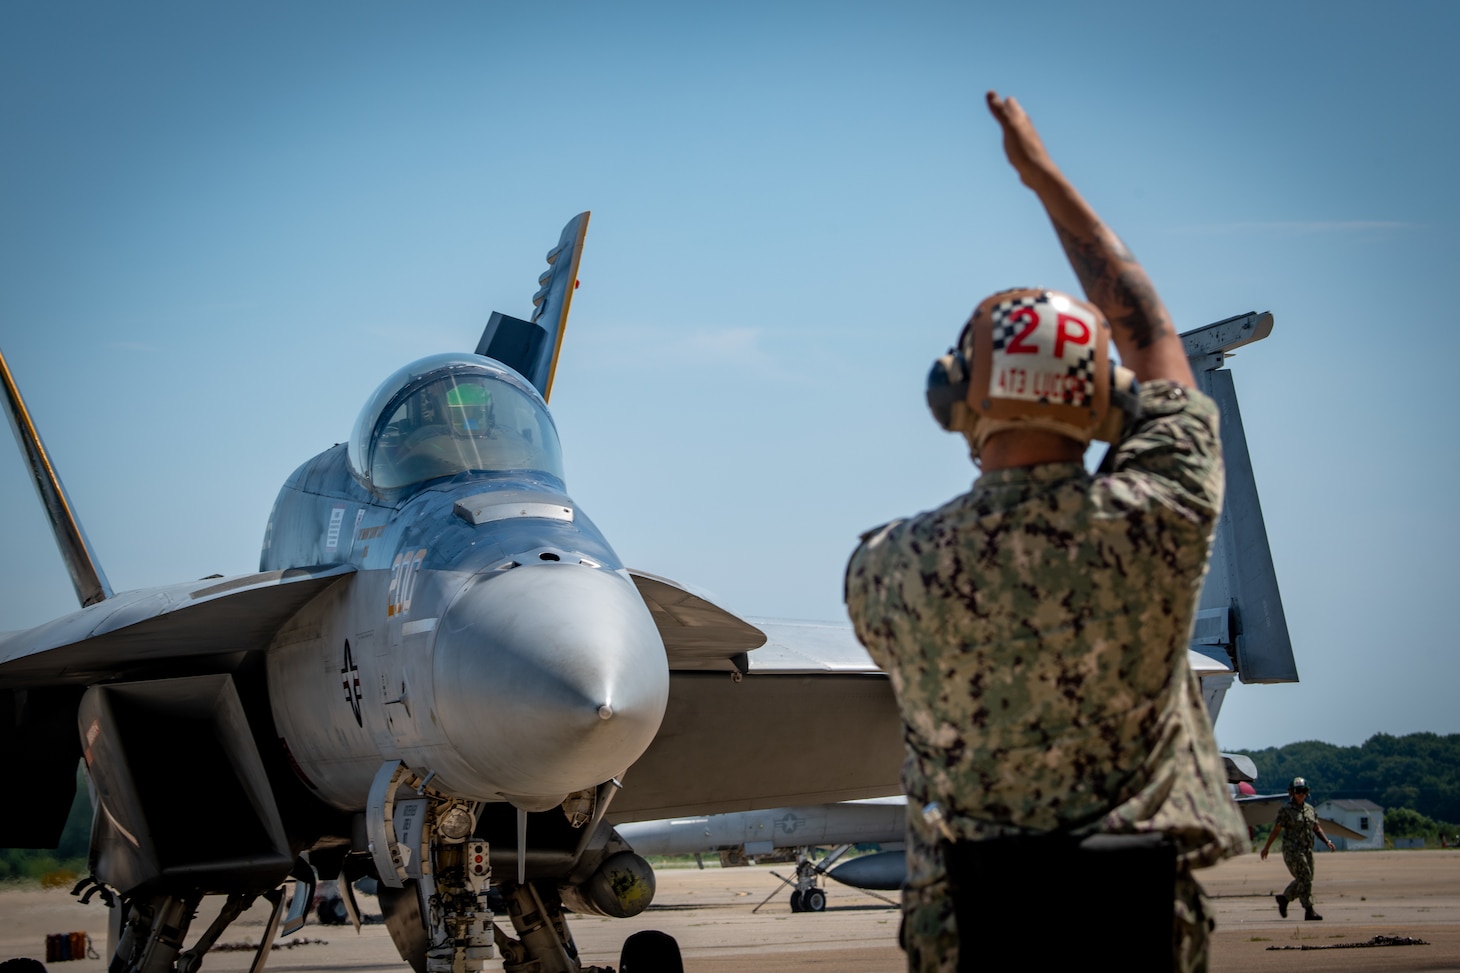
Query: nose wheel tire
{"points": [[813, 900], [796, 900]]}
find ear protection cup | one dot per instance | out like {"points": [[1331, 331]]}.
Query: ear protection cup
{"points": [[947, 386]]}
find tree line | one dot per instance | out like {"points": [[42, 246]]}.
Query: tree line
{"points": [[1417, 771]]}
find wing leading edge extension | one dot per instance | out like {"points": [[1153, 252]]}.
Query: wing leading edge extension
{"points": [[136, 629]]}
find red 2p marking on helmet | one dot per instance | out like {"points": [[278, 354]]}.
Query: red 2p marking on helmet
{"points": [[1030, 358], [1038, 354]]}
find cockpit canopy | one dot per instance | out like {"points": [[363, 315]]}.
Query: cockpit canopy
{"points": [[450, 414]]}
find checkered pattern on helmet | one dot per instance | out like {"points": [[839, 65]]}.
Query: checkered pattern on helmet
{"points": [[1081, 392], [1004, 329]]}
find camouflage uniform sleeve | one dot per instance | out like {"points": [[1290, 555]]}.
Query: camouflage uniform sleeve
{"points": [[1172, 456], [864, 589]]}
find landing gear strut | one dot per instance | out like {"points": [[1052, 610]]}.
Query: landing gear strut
{"points": [[543, 943], [807, 896], [451, 874], [152, 931], [434, 880]]}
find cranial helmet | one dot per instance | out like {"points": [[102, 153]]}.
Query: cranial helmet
{"points": [[1298, 784], [1032, 359], [469, 408]]}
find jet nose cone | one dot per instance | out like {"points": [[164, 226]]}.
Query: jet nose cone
{"points": [[549, 679]]}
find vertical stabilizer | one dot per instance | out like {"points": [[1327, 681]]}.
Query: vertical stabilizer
{"points": [[532, 347], [86, 574], [1241, 609]]}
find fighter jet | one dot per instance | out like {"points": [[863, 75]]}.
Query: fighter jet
{"points": [[442, 677], [792, 834]]}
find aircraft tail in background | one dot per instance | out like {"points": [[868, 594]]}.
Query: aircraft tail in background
{"points": [[1240, 616]]}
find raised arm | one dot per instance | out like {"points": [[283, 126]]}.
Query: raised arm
{"points": [[1113, 281]]}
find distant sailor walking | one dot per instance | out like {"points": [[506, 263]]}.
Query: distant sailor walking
{"points": [[1300, 822], [1061, 772]]}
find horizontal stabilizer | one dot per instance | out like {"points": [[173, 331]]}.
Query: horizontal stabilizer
{"points": [[1227, 335], [532, 347], [136, 629]]}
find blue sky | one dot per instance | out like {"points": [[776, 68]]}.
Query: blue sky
{"points": [[221, 225]]}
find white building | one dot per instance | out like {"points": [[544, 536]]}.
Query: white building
{"points": [[1365, 817]]}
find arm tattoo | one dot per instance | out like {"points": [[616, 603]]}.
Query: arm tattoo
{"points": [[1089, 261], [1116, 284], [1145, 320]]}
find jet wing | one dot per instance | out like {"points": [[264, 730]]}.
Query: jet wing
{"points": [[780, 734], [1263, 808], [136, 629], [807, 647], [1333, 828]]}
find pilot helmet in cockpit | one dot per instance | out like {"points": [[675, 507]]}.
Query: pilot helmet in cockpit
{"points": [[469, 409]]}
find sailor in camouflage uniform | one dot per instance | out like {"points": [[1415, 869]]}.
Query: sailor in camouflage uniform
{"points": [[1298, 823], [1035, 629]]}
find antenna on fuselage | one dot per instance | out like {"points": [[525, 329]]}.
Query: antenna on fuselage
{"points": [[86, 575], [521, 847]]}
